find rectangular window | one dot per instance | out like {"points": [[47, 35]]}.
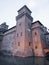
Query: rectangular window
{"points": [[29, 43], [18, 43], [17, 34]]}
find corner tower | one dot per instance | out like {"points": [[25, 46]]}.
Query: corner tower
{"points": [[23, 32], [38, 38]]}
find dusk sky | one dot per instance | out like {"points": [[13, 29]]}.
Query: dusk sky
{"points": [[9, 8]]}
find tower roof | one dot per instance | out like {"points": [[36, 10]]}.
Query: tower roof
{"points": [[37, 22], [26, 8]]}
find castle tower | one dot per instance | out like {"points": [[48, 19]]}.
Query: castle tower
{"points": [[23, 33], [3, 28], [37, 38]]}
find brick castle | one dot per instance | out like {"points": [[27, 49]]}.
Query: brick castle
{"points": [[27, 38]]}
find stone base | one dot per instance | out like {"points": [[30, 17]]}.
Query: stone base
{"points": [[23, 53]]}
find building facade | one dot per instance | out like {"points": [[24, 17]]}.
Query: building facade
{"points": [[27, 38]]}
